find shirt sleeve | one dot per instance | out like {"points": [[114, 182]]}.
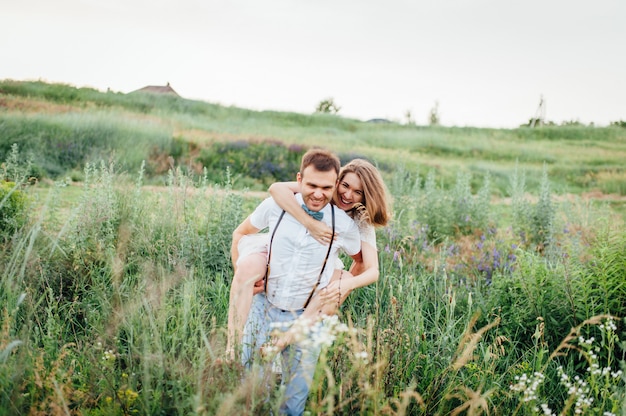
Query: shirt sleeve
{"points": [[260, 217], [368, 234], [352, 240]]}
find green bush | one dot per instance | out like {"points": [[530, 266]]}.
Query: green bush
{"points": [[534, 223], [445, 212], [603, 288], [13, 209], [266, 162], [534, 290]]}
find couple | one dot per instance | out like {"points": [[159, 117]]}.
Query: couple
{"points": [[300, 255]]}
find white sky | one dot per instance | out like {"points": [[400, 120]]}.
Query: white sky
{"points": [[486, 62]]}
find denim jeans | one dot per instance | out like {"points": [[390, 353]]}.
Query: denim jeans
{"points": [[298, 360]]}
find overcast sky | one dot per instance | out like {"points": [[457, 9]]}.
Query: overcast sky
{"points": [[486, 62]]}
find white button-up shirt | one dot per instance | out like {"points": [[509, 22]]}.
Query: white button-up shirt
{"points": [[296, 257]]}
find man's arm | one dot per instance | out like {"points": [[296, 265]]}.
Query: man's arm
{"points": [[244, 228]]}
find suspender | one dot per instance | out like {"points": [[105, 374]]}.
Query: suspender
{"points": [[269, 253], [319, 278]]}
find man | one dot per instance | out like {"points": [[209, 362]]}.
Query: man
{"points": [[299, 266]]}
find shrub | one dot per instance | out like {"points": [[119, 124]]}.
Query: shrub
{"points": [[535, 290], [603, 289], [533, 223], [13, 213], [13, 209], [455, 212], [327, 105], [267, 162]]}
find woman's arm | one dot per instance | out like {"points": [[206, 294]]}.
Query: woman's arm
{"points": [[366, 271], [283, 194]]}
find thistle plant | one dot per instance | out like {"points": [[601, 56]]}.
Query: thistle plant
{"points": [[14, 168]]}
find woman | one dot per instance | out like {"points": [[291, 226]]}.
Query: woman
{"points": [[362, 194]]}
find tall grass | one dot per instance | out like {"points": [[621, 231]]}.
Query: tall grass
{"points": [[117, 305], [59, 144]]}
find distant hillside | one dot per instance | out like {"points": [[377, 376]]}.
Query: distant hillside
{"points": [[62, 128]]}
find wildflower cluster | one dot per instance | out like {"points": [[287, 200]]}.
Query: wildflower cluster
{"points": [[578, 389], [593, 391], [127, 396], [108, 358], [320, 334], [528, 386], [328, 330], [494, 256]]}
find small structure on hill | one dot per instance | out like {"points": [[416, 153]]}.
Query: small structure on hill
{"points": [[158, 89]]}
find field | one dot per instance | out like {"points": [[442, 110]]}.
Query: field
{"points": [[502, 273]]}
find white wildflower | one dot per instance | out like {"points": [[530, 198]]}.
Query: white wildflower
{"points": [[363, 356]]}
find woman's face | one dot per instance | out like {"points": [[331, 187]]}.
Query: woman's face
{"points": [[349, 191]]}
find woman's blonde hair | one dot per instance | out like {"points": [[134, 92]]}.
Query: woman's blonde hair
{"points": [[374, 208]]}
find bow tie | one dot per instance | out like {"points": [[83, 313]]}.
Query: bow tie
{"points": [[318, 215]]}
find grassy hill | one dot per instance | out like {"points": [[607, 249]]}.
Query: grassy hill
{"points": [[64, 127]]}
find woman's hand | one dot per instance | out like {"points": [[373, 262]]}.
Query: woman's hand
{"points": [[319, 231], [337, 291]]}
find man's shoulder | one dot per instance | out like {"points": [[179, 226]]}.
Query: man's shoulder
{"points": [[264, 212], [269, 204]]}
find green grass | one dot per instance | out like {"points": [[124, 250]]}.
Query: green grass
{"points": [[114, 292], [115, 297]]}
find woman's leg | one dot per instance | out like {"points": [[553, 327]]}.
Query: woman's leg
{"points": [[250, 269]]}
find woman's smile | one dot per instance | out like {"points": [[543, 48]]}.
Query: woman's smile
{"points": [[349, 192]]}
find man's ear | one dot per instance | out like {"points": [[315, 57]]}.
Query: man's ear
{"points": [[299, 177]]}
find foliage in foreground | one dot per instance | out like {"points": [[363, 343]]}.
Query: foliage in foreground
{"points": [[117, 305]]}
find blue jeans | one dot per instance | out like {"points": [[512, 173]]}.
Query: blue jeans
{"points": [[298, 360]]}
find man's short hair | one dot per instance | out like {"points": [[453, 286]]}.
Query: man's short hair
{"points": [[321, 159]]}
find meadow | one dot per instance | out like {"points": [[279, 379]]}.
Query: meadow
{"points": [[502, 282]]}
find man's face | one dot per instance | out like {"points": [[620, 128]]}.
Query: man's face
{"points": [[317, 187]]}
